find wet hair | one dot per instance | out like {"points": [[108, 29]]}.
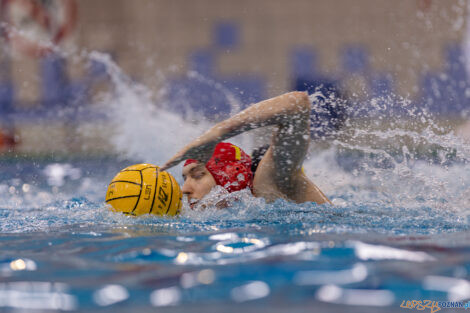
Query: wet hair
{"points": [[256, 157]]}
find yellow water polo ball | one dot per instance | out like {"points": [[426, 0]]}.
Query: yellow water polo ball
{"points": [[144, 189]]}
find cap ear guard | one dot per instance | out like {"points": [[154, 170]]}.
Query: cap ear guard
{"points": [[234, 176], [230, 166]]}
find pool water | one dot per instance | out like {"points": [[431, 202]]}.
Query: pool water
{"points": [[62, 249], [397, 231]]}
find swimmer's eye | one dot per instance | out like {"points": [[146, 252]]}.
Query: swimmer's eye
{"points": [[198, 175]]}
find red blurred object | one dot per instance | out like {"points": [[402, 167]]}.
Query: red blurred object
{"points": [[43, 16], [424, 5], [7, 141]]}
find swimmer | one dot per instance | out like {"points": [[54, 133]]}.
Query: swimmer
{"points": [[210, 162]]}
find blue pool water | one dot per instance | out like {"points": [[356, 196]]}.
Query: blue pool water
{"points": [[398, 230], [61, 249]]}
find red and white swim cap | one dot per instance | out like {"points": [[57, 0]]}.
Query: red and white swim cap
{"points": [[230, 166]]}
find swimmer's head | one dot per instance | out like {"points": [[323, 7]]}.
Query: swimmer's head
{"points": [[229, 167], [198, 182]]}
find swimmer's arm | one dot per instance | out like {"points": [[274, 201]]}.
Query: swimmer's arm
{"points": [[290, 109], [281, 166]]}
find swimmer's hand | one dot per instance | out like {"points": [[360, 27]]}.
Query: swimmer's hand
{"points": [[200, 149]]}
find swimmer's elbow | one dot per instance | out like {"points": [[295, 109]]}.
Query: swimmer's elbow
{"points": [[300, 100], [299, 94]]}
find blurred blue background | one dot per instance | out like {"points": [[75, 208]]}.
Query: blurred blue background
{"points": [[198, 56]]}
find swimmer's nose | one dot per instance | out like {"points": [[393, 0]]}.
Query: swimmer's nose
{"points": [[186, 189]]}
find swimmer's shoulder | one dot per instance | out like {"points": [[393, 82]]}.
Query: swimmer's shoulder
{"points": [[298, 188], [264, 182]]}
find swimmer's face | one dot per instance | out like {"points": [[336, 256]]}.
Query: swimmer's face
{"points": [[198, 182]]}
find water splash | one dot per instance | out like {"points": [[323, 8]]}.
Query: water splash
{"points": [[398, 155], [140, 129], [374, 169], [143, 129]]}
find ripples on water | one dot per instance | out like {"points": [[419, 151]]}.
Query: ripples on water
{"points": [[397, 230]]}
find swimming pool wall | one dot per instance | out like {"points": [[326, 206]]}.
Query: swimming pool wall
{"points": [[196, 55]]}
